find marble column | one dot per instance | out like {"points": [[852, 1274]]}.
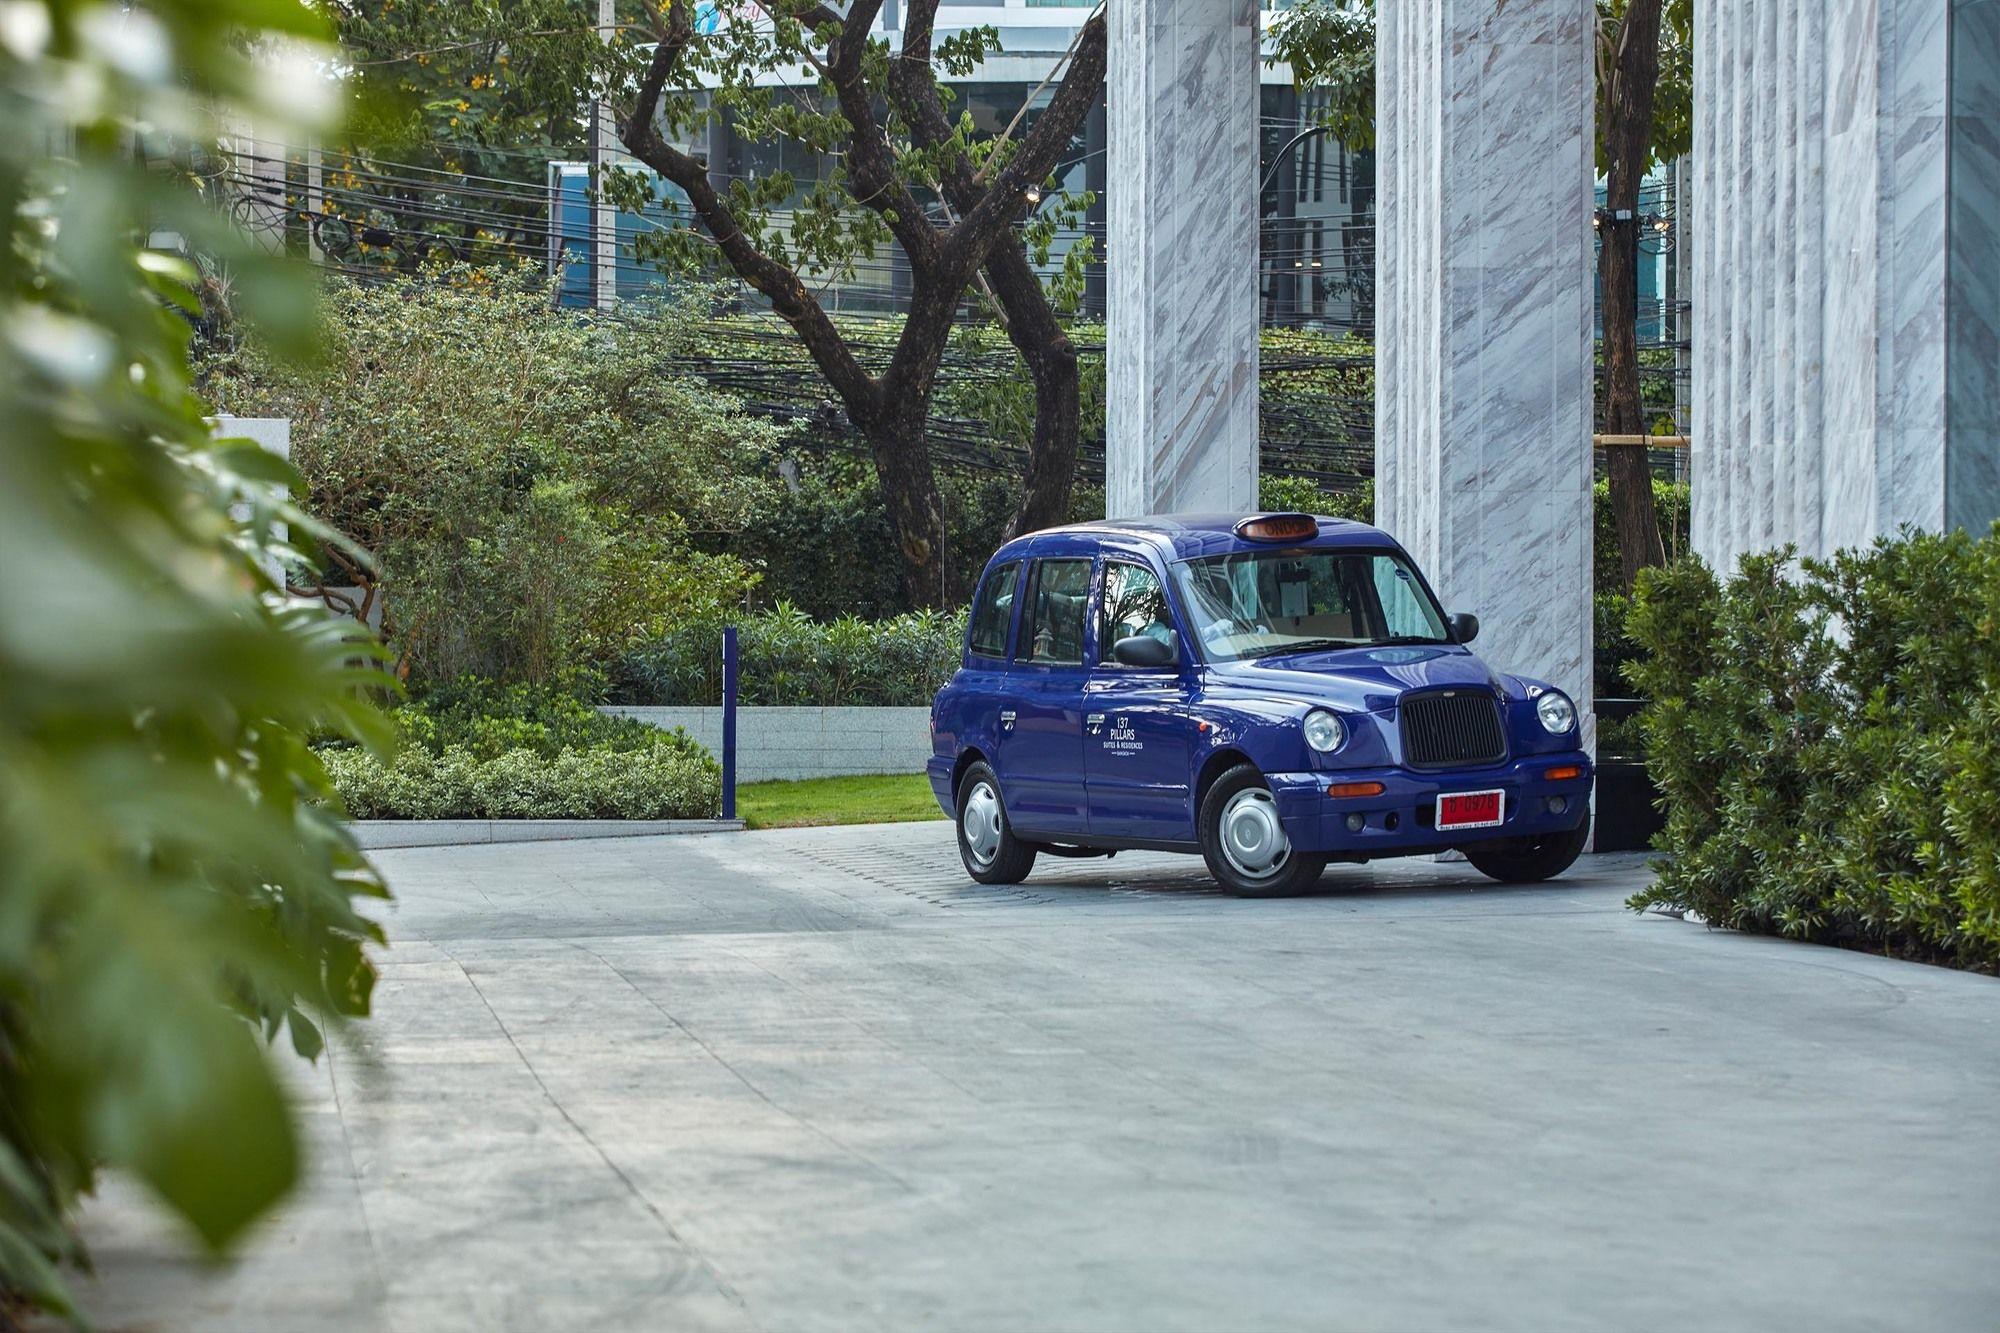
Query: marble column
{"points": [[1182, 255], [1847, 280], [1483, 349]]}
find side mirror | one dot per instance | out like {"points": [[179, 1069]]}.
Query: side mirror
{"points": [[1143, 650], [1464, 626]]}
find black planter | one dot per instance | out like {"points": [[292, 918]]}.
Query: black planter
{"points": [[1627, 818], [1627, 813]]}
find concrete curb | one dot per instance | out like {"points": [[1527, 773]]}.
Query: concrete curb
{"points": [[373, 834]]}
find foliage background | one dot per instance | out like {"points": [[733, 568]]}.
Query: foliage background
{"points": [[532, 481]]}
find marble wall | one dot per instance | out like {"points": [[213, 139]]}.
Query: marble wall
{"points": [[1844, 298], [1972, 368], [1181, 428], [1483, 353]]}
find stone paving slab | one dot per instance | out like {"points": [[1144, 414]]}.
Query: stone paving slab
{"points": [[816, 1079]]}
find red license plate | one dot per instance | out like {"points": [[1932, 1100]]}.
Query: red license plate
{"points": [[1471, 809]]}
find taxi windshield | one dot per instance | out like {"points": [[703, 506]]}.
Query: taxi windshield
{"points": [[1264, 603]]}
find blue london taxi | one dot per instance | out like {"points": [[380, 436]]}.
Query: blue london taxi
{"points": [[1274, 692]]}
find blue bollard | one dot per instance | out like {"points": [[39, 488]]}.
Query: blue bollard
{"points": [[729, 723]]}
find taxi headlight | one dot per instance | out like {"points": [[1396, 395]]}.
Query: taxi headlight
{"points": [[1557, 713], [1323, 731]]}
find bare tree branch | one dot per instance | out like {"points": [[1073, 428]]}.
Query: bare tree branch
{"points": [[1037, 155], [871, 164], [1007, 134], [788, 296]]}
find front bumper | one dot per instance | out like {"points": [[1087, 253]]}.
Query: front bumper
{"points": [[1399, 820]]}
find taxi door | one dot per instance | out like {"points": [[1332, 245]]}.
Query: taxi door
{"points": [[1137, 745], [1040, 754]]}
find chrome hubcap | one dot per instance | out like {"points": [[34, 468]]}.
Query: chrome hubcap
{"points": [[1253, 841], [981, 822]]}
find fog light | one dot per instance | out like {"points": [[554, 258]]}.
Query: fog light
{"points": [[1558, 804], [1356, 822]]}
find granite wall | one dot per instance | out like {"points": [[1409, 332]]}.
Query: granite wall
{"points": [[1845, 287], [1181, 409], [775, 743], [1483, 356]]}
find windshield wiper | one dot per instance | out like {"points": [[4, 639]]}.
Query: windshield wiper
{"points": [[1320, 645], [1304, 646]]}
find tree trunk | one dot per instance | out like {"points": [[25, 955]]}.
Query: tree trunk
{"points": [[1633, 511], [910, 493], [1627, 101], [1038, 336]]}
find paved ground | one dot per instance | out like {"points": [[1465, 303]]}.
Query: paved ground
{"points": [[817, 1080]]}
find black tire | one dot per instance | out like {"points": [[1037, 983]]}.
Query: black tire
{"points": [[1291, 873], [1009, 859], [1529, 860]]}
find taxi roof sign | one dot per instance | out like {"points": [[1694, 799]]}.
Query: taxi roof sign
{"points": [[1278, 528]]}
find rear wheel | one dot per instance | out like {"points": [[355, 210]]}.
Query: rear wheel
{"points": [[1529, 860], [1245, 844], [991, 852]]}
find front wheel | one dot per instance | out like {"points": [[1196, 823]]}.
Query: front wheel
{"points": [[991, 852], [1529, 860], [1245, 844]]}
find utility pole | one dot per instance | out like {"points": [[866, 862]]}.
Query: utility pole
{"points": [[315, 199], [603, 217], [1682, 213]]}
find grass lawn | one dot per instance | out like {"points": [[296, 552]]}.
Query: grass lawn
{"points": [[819, 801]]}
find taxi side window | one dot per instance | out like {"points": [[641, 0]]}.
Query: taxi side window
{"points": [[1058, 596], [1134, 605], [993, 613]]}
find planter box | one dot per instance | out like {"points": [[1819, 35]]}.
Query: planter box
{"points": [[775, 743], [378, 833], [1626, 815]]}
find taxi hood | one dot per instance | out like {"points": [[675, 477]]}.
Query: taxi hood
{"points": [[1360, 679]]}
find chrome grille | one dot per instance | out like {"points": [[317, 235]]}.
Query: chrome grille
{"points": [[1449, 727]]}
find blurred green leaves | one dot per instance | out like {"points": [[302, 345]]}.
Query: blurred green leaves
{"points": [[173, 896]]}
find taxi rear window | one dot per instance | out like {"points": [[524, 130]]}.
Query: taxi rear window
{"points": [[993, 612], [1058, 594]]}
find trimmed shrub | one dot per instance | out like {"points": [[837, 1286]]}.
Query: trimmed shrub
{"points": [[481, 751], [1826, 737], [787, 657]]}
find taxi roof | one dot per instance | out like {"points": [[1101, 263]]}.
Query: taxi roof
{"points": [[1188, 536]]}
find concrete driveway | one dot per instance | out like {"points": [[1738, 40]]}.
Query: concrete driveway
{"points": [[819, 1080]]}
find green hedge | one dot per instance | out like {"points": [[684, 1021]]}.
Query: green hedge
{"points": [[1826, 736], [787, 657], [476, 751], [1671, 505]]}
